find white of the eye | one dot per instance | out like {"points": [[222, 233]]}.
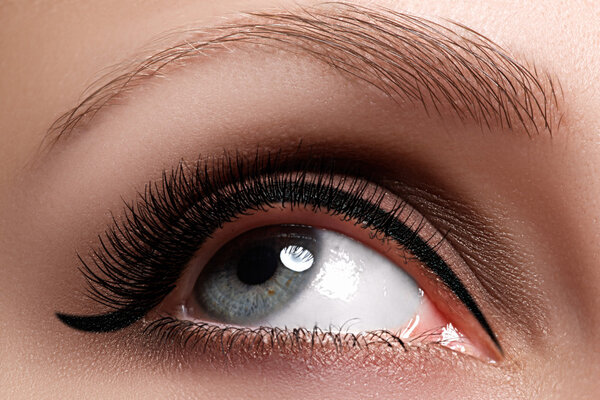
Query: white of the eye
{"points": [[339, 276], [296, 258], [354, 289]]}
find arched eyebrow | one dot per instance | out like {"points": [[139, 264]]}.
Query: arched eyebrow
{"points": [[439, 67]]}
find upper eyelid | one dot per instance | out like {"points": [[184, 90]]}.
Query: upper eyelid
{"points": [[402, 55]]}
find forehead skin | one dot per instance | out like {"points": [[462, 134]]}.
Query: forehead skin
{"points": [[50, 51]]}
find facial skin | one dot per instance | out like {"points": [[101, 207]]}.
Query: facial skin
{"points": [[521, 205]]}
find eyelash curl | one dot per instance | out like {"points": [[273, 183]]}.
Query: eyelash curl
{"points": [[140, 258]]}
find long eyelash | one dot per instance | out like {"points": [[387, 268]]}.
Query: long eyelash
{"points": [[140, 259]]}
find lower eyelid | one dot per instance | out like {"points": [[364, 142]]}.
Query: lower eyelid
{"points": [[192, 342], [414, 372]]}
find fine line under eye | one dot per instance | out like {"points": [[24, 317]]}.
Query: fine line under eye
{"points": [[139, 260]]}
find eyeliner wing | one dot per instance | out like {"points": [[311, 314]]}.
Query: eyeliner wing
{"points": [[109, 322]]}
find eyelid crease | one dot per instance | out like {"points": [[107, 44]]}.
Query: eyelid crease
{"points": [[405, 56]]}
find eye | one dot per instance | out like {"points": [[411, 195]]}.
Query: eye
{"points": [[336, 279], [299, 276], [248, 248]]}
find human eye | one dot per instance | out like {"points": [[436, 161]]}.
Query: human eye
{"points": [[276, 253]]}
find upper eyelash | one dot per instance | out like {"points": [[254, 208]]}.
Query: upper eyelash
{"points": [[140, 259]]}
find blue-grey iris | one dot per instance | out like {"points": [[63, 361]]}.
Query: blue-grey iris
{"points": [[257, 273]]}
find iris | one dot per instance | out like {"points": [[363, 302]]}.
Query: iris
{"points": [[256, 273]]}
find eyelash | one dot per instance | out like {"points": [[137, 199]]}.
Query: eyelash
{"points": [[140, 259], [185, 334]]}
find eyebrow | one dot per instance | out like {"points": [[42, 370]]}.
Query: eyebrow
{"points": [[408, 58]]}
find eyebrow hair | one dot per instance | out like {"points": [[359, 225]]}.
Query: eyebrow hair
{"points": [[408, 58]]}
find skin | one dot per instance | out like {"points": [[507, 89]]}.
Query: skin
{"points": [[539, 196]]}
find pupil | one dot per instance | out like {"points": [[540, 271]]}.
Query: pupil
{"points": [[257, 265]]}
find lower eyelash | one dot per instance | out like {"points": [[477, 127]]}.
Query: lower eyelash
{"points": [[189, 338], [207, 337]]}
